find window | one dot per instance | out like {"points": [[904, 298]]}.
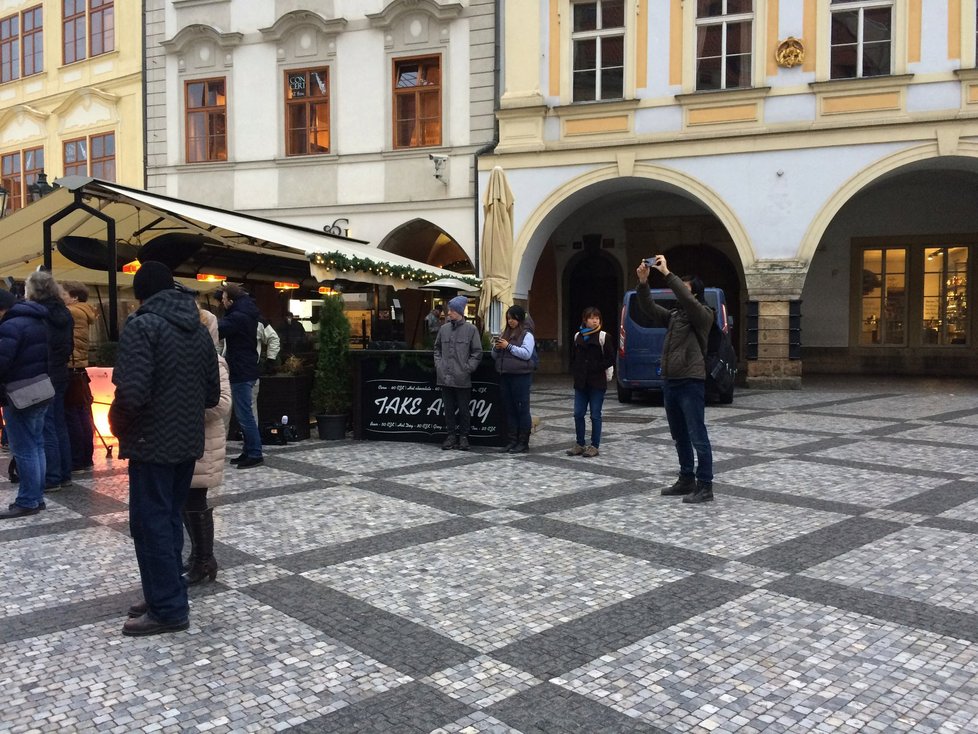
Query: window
{"points": [[598, 45], [306, 111], [19, 170], [89, 28], [10, 48], [884, 296], [862, 33], [206, 121], [945, 310], [100, 164], [417, 102], [724, 38], [33, 41]]}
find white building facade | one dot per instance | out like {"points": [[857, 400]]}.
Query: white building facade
{"points": [[816, 158], [364, 116]]}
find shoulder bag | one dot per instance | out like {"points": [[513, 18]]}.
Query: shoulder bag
{"points": [[30, 392]]}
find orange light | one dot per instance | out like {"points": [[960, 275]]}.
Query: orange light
{"points": [[132, 267], [283, 286], [325, 290], [211, 278]]}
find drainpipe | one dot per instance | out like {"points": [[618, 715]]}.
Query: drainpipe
{"points": [[496, 88], [145, 117]]}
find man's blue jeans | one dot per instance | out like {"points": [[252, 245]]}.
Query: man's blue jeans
{"points": [[589, 398], [57, 447], [25, 432], [515, 393], [157, 493], [685, 403], [241, 401]]}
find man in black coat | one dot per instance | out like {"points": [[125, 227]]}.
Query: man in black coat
{"points": [[239, 329], [166, 375]]}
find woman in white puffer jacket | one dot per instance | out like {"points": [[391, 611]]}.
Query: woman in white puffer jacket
{"points": [[198, 518]]}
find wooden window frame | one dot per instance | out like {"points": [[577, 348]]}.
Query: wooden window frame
{"points": [[17, 181], [69, 24], [416, 90], [723, 20], [599, 35], [74, 170], [10, 48], [100, 11], [308, 101], [103, 160], [36, 35], [210, 113], [861, 6]]}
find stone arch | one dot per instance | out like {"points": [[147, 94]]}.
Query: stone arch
{"points": [[889, 164], [533, 236], [425, 241]]}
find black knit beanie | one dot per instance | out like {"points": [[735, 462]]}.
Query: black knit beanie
{"points": [[151, 278]]}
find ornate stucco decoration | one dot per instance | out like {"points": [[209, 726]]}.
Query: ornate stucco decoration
{"points": [[302, 27], [408, 11], [28, 121], [791, 52], [201, 38]]}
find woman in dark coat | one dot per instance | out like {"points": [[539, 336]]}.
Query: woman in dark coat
{"points": [[513, 352], [593, 353], [24, 354]]}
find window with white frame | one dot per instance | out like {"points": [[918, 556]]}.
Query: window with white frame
{"points": [[862, 38], [724, 41], [598, 44]]}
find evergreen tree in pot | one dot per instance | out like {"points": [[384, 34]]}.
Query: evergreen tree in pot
{"points": [[331, 392]]}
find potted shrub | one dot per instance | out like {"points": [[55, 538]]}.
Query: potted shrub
{"points": [[331, 390]]}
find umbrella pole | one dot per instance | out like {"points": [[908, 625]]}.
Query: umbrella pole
{"points": [[495, 317]]}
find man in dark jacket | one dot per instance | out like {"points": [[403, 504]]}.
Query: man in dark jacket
{"points": [[239, 330], [683, 376], [43, 289], [23, 355], [165, 377]]}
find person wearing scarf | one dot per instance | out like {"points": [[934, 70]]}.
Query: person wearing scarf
{"points": [[592, 354]]}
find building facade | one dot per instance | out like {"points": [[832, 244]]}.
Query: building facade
{"points": [[361, 116], [71, 99], [815, 158]]}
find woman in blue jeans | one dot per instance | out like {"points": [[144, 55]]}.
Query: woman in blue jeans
{"points": [[24, 354], [591, 356], [513, 352]]}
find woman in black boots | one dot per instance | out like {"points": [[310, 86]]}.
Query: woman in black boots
{"points": [[198, 518]]}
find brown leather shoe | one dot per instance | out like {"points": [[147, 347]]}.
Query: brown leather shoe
{"points": [[145, 625], [138, 609]]}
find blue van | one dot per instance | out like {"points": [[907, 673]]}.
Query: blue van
{"points": [[640, 345]]}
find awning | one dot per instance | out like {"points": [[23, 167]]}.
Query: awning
{"points": [[238, 246]]}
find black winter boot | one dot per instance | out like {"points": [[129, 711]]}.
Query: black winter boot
{"points": [[449, 442], [522, 443], [202, 538], [192, 558], [510, 442], [703, 493], [686, 484]]}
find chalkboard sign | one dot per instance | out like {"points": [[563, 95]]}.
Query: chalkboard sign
{"points": [[397, 399]]}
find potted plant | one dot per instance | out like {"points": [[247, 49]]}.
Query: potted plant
{"points": [[331, 391]]}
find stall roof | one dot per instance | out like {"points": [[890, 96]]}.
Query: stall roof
{"points": [[238, 246]]}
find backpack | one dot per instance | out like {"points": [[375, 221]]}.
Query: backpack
{"points": [[719, 360], [535, 356], [609, 374]]}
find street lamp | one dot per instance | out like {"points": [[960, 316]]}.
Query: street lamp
{"points": [[3, 201], [40, 187]]}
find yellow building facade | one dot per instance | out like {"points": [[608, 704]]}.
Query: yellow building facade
{"points": [[71, 93], [815, 158]]}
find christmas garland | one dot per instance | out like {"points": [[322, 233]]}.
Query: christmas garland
{"points": [[345, 264]]}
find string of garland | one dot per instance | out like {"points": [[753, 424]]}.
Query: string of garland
{"points": [[345, 264]]}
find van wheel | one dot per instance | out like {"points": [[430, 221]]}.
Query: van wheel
{"points": [[624, 395]]}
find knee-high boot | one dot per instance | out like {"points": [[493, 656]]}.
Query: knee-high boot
{"points": [[203, 565]]}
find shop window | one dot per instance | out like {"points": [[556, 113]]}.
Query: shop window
{"points": [[884, 297], [945, 297], [862, 38], [89, 28], [18, 170], [724, 40], [306, 111], [206, 104], [598, 46], [417, 102]]}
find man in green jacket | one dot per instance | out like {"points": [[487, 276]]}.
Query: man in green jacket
{"points": [[683, 374]]}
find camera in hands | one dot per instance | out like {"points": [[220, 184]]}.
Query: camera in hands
{"points": [[650, 261]]}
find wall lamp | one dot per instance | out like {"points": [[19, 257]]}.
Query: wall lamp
{"points": [[4, 194], [40, 187]]}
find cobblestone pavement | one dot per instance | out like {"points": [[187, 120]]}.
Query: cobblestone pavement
{"points": [[391, 587]]}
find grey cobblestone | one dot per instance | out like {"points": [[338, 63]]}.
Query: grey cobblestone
{"points": [[395, 587]]}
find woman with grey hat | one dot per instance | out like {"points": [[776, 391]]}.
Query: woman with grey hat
{"points": [[458, 352]]}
